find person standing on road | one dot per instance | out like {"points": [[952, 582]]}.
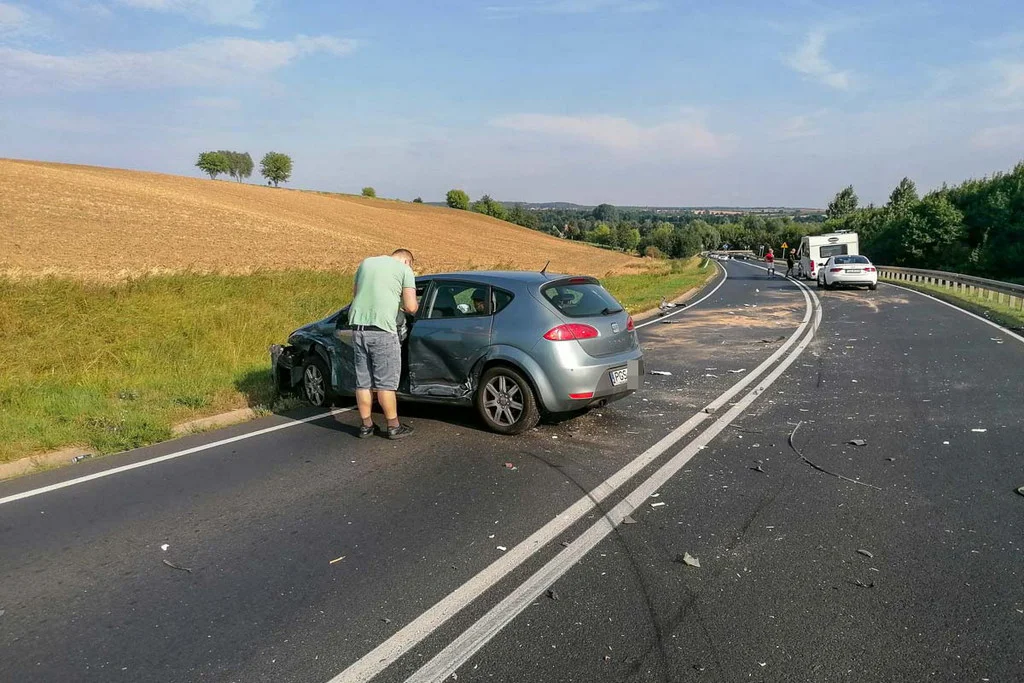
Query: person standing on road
{"points": [[769, 258], [383, 285], [790, 262]]}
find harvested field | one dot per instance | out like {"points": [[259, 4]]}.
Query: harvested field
{"points": [[105, 224]]}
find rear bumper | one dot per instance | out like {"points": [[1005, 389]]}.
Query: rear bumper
{"points": [[856, 279], [285, 367], [587, 377]]}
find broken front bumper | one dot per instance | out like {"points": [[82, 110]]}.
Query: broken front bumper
{"points": [[285, 367]]}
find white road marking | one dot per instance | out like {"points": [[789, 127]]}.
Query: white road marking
{"points": [[955, 307], [382, 656], [680, 309], [480, 633], [169, 456]]}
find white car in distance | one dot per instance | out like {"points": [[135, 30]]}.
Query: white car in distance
{"points": [[848, 271]]}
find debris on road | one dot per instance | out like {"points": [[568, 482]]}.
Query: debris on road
{"points": [[736, 372], [865, 553], [552, 594], [663, 373], [688, 559], [607, 658], [385, 620], [979, 431], [945, 443], [174, 566], [757, 468], [891, 459], [709, 410], [1020, 490], [164, 547], [997, 340], [337, 559], [857, 442], [565, 544], [822, 469], [80, 458], [628, 520], [510, 466], [860, 583], [502, 548], [656, 505]]}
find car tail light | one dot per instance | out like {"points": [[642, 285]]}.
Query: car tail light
{"points": [[630, 326], [579, 281], [584, 395], [835, 270], [869, 269], [812, 266], [570, 332]]}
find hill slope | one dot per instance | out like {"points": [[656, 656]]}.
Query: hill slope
{"points": [[100, 224]]}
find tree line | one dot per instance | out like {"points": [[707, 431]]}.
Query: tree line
{"points": [[975, 228], [275, 167]]}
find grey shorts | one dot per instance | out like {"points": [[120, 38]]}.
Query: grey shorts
{"points": [[378, 359]]}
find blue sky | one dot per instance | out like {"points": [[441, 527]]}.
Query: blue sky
{"points": [[631, 102]]}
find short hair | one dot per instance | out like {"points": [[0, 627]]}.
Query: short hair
{"points": [[403, 252]]}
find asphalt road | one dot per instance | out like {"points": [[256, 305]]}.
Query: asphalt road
{"points": [[896, 560]]}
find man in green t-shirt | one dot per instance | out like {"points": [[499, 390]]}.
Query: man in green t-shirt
{"points": [[383, 285]]}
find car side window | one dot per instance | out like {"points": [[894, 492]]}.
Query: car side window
{"points": [[459, 300], [501, 299]]}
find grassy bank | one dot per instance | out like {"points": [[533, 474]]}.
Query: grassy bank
{"points": [[1000, 313], [112, 367]]}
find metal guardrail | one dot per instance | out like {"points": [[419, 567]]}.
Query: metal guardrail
{"points": [[978, 287]]}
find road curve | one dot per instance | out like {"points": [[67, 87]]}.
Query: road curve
{"points": [[247, 590]]}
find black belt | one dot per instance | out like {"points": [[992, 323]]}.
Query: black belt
{"points": [[368, 328]]}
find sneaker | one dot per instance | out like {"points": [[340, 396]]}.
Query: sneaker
{"points": [[366, 432], [399, 432]]}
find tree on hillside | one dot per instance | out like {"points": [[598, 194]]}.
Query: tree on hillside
{"points": [[627, 237], [844, 203], [527, 219], [605, 212], [904, 196], [213, 164], [457, 199], [601, 234], [369, 192], [239, 164], [490, 207], [276, 167], [418, 200]]}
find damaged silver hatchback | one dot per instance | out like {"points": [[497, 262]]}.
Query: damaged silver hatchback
{"points": [[515, 345]]}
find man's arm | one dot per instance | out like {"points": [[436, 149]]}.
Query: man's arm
{"points": [[409, 302]]}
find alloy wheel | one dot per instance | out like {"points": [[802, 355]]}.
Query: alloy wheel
{"points": [[313, 381], [503, 400]]}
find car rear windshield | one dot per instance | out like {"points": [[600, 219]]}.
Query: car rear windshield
{"points": [[580, 300], [832, 250], [840, 260]]}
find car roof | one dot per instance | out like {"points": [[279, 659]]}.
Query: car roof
{"points": [[500, 277]]}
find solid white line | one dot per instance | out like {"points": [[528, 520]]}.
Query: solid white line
{"points": [[688, 306], [999, 327], [382, 656], [169, 456], [447, 662]]}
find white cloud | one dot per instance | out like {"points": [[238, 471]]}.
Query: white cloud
{"points": [[802, 126], [809, 60], [1011, 79], [245, 13], [999, 137], [684, 136], [576, 7], [217, 61], [16, 21]]}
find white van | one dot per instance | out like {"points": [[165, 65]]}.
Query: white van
{"points": [[816, 249]]}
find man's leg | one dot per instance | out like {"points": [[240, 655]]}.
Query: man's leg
{"points": [[364, 377], [364, 400], [389, 404]]}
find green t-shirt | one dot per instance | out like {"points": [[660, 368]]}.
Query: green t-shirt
{"points": [[379, 284]]}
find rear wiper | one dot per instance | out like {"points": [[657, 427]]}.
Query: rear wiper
{"points": [[608, 311]]}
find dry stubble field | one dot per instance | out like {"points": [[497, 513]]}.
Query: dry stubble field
{"points": [[105, 224]]}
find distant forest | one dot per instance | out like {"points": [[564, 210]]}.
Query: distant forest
{"points": [[976, 227]]}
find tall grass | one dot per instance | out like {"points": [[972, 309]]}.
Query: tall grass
{"points": [[114, 366]]}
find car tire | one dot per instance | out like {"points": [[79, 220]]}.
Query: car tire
{"points": [[873, 287], [503, 385], [316, 383], [820, 284]]}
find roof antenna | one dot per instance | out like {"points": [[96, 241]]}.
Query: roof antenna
{"points": [[544, 270]]}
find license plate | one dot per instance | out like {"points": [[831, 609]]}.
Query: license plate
{"points": [[619, 376], [853, 270]]}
